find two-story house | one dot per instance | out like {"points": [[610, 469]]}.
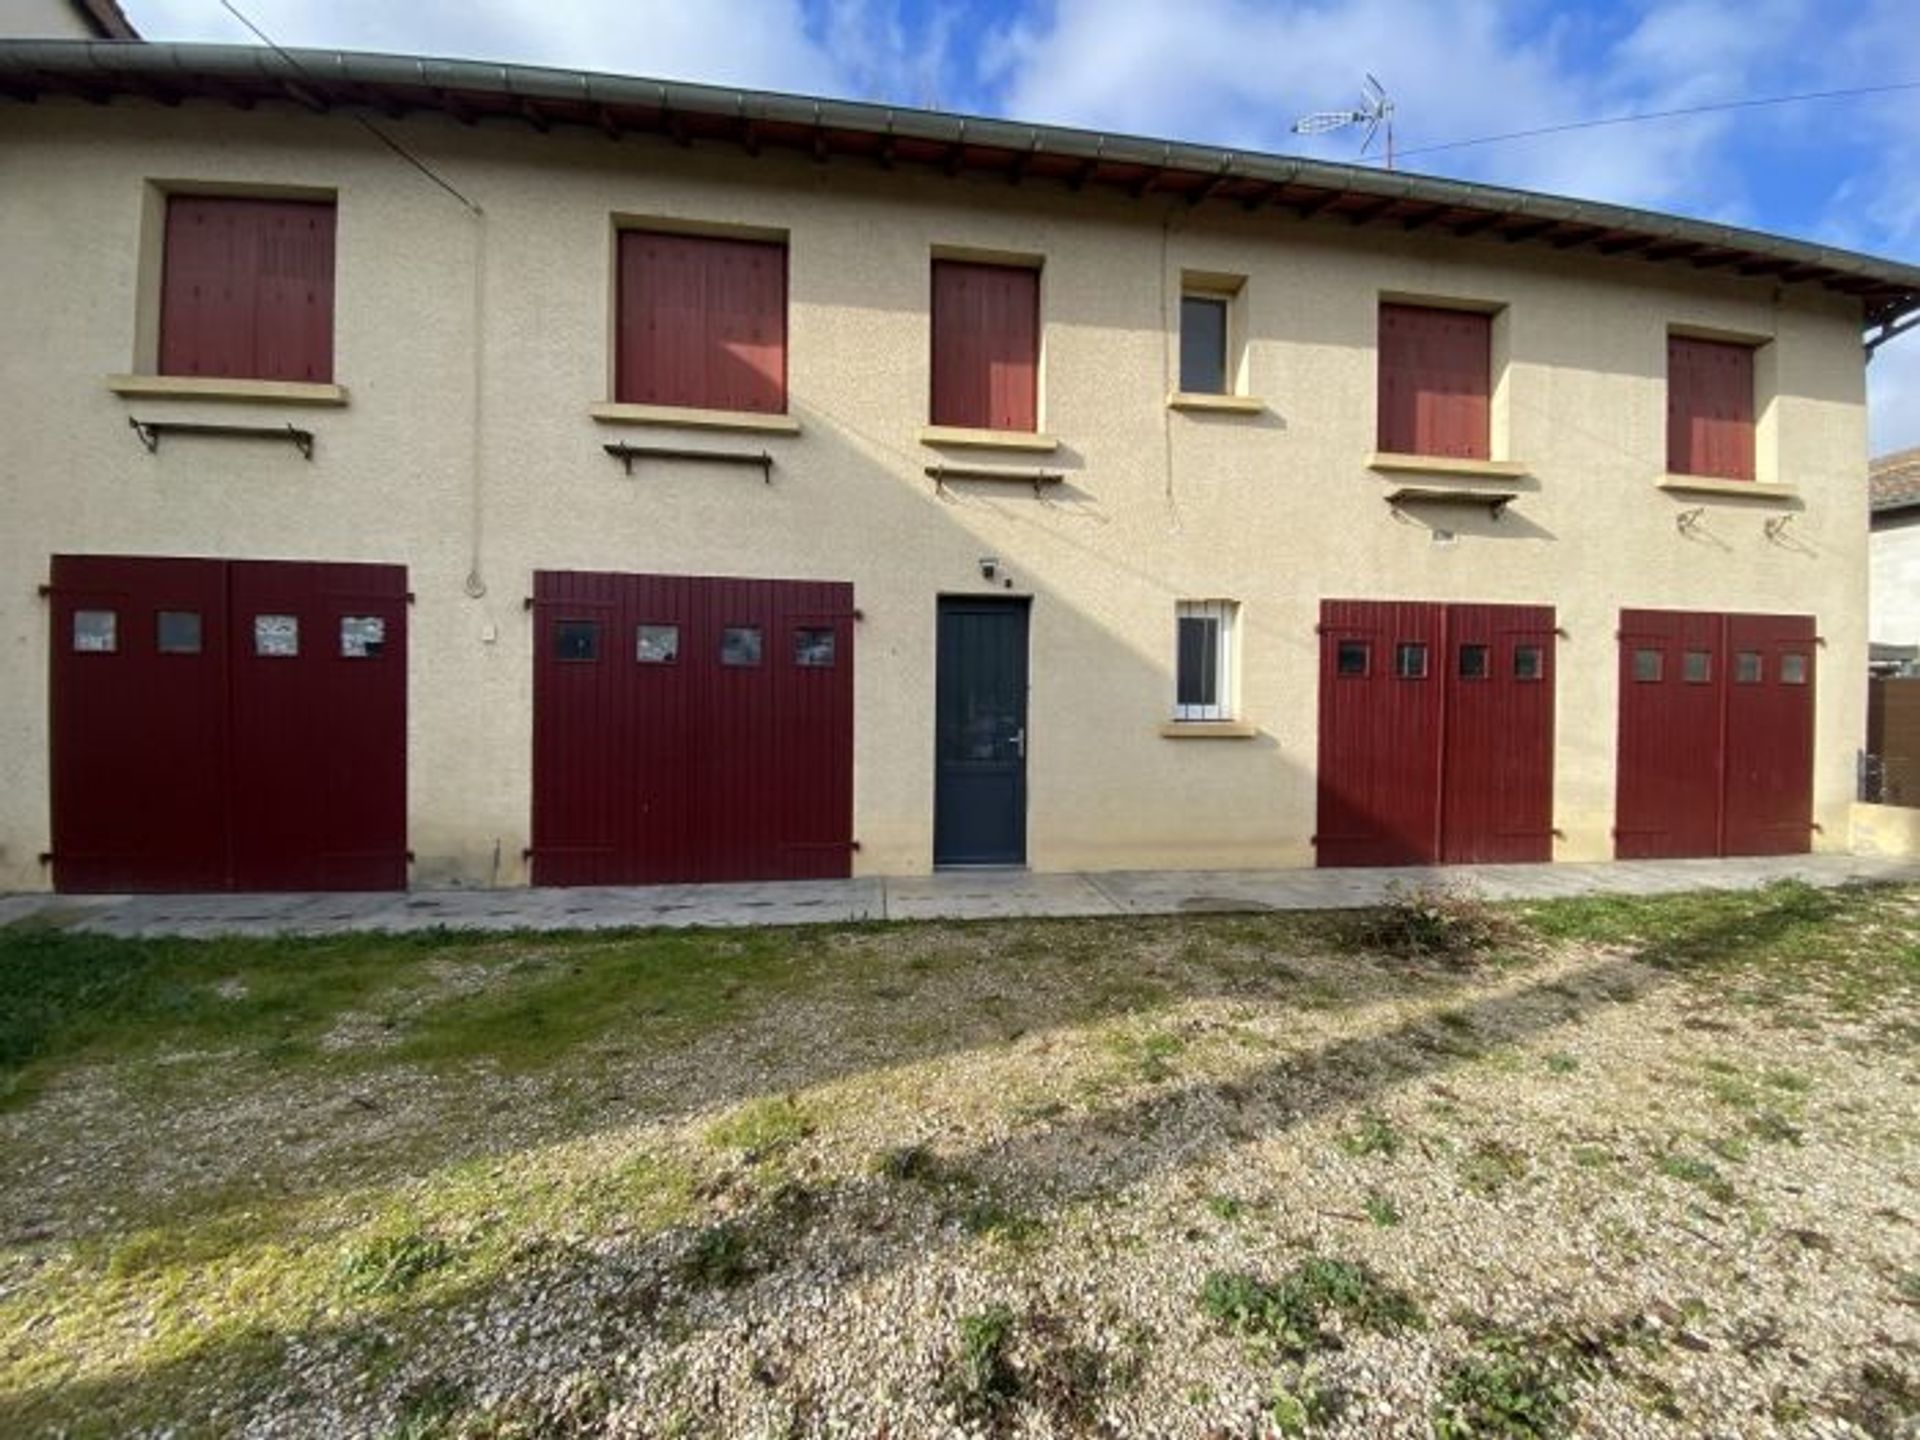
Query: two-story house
{"points": [[431, 472]]}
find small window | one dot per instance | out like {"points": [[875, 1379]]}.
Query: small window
{"points": [[1793, 669], [1748, 668], [657, 644], [740, 645], [1473, 662], [177, 632], [1648, 665], [1410, 660], [813, 648], [576, 640], [362, 637], [1529, 662], [1352, 657], [277, 637], [96, 632], [1203, 344], [1698, 667], [1203, 680]]}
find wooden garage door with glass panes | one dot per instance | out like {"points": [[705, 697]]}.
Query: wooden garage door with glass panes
{"points": [[228, 724], [691, 728], [1716, 734], [1436, 733]]}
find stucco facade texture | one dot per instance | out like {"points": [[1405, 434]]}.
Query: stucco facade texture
{"points": [[494, 469]]}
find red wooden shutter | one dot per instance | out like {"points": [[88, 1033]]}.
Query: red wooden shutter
{"points": [[1435, 378], [702, 322], [1709, 408], [986, 346], [247, 291]]}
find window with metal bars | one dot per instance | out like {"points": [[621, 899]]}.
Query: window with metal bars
{"points": [[1204, 663]]}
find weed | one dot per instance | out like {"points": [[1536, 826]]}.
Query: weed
{"points": [[909, 1162], [393, 1263], [1774, 1128], [1503, 1389], [762, 1127], [1372, 1136], [1430, 922], [1149, 1056], [1291, 1316], [427, 1410], [1907, 1286], [1491, 1166], [1297, 1401], [1561, 1063], [980, 1380], [1697, 1172], [1381, 1210], [720, 1257], [1592, 1157], [991, 1218], [1226, 1207], [1731, 1148]]}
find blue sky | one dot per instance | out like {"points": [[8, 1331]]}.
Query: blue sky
{"points": [[1237, 72]]}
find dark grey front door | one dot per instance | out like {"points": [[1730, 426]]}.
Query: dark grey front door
{"points": [[980, 745]]}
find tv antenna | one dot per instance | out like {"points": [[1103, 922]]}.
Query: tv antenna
{"points": [[1376, 111]]}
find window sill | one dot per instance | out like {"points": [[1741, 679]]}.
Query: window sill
{"points": [[962, 437], [1714, 485], [206, 387], [694, 418], [1438, 466], [1225, 404], [1208, 730]]}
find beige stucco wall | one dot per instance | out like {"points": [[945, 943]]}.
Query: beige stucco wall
{"points": [[1276, 510], [1894, 579], [42, 20]]}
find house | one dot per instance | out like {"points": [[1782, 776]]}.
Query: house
{"points": [[1893, 550], [439, 473]]}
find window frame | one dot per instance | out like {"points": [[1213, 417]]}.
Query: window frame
{"points": [[1224, 615]]}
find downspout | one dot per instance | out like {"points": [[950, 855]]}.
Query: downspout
{"points": [[476, 585]]}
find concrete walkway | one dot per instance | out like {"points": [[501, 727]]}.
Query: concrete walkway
{"points": [[954, 895]]}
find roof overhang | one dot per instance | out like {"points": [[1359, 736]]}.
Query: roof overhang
{"points": [[476, 93]]}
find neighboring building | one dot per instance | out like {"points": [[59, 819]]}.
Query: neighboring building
{"points": [[64, 20], [762, 486], [1893, 551]]}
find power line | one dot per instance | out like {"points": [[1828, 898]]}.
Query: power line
{"points": [[1664, 115], [372, 129]]}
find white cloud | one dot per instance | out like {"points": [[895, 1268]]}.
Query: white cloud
{"points": [[759, 43], [1238, 73]]}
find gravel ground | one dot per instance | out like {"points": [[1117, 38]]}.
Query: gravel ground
{"points": [[979, 1185]]}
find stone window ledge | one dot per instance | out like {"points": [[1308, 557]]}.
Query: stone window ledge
{"points": [[1208, 730], [204, 387], [964, 437], [693, 418]]}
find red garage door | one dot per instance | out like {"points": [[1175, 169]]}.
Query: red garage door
{"points": [[1436, 733], [228, 725], [1716, 734], [691, 729]]}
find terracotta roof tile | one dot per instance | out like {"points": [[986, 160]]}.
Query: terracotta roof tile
{"points": [[1894, 480]]}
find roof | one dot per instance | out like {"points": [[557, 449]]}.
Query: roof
{"points": [[1893, 481], [477, 93], [106, 19]]}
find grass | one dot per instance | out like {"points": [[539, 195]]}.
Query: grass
{"points": [[1374, 1135], [979, 1378]]}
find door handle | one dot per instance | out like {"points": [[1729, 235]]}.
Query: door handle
{"points": [[1020, 742]]}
